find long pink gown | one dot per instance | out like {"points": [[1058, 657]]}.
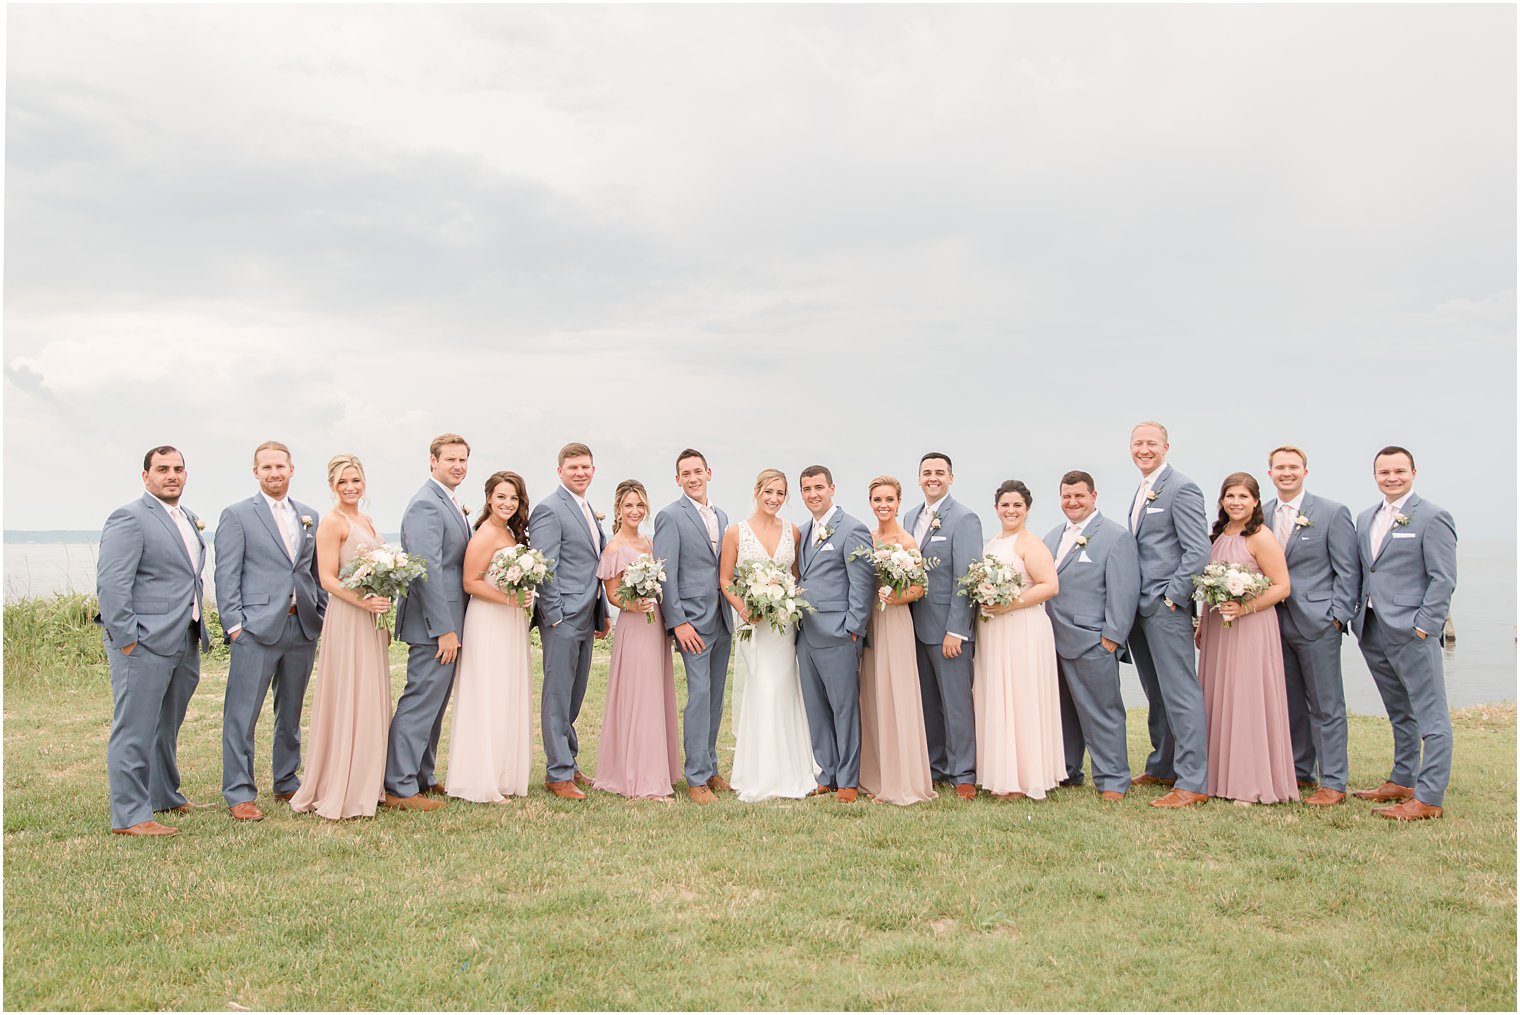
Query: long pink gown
{"points": [[894, 751], [491, 747], [350, 709], [1017, 697], [638, 755], [1245, 698]]}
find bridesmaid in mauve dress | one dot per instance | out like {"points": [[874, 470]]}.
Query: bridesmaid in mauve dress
{"points": [[351, 707], [894, 751], [1019, 750], [491, 745], [1244, 694], [637, 756]]}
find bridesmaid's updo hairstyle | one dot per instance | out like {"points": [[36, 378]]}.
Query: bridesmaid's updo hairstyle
{"points": [[885, 481], [1256, 520], [518, 523], [335, 467], [766, 478], [1014, 486], [624, 488]]}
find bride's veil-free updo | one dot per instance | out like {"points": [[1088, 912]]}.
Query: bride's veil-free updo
{"points": [[766, 477], [335, 467]]}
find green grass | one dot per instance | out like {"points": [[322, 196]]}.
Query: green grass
{"points": [[611, 904]]}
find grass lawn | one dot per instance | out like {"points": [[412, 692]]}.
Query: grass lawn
{"points": [[611, 904]]}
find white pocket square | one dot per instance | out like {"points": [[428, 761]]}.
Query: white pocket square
{"points": [[1403, 535], [1084, 558], [826, 548], [1154, 511], [937, 539]]}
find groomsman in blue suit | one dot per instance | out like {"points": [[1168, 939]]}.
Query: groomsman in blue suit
{"points": [[946, 625], [1091, 617], [1320, 543], [1408, 550], [688, 534], [429, 618], [271, 603], [1172, 537], [572, 613], [829, 642], [149, 585]]}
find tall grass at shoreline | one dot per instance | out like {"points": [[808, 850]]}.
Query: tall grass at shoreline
{"points": [[543, 903]]}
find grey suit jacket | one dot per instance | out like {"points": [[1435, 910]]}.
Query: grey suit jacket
{"points": [[144, 580], [256, 577], [435, 530], [1324, 571], [1172, 541], [557, 529], [1411, 578], [840, 589], [957, 543], [691, 569], [1099, 587]]}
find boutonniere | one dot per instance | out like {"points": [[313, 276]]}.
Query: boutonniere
{"points": [[1151, 495], [601, 517], [934, 520], [306, 521], [823, 534], [466, 509], [200, 526], [1303, 522], [1082, 542], [1401, 520]]}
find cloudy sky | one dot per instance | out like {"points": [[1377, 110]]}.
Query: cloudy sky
{"points": [[782, 235]]}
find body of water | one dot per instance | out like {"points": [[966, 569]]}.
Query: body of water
{"points": [[1480, 662]]}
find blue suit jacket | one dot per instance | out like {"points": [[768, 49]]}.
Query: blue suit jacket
{"points": [[691, 569], [1099, 588], [434, 529], [1324, 571], [840, 589], [255, 575], [144, 580], [557, 529], [1412, 577], [1172, 541], [957, 543]]}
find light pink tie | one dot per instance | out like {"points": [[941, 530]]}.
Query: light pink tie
{"points": [[596, 536], [193, 549]]}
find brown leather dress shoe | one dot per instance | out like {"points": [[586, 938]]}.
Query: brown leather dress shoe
{"points": [[846, 795], [246, 811], [1387, 793], [1325, 797], [1180, 798], [819, 791], [1111, 795], [701, 795], [411, 803], [436, 789], [565, 790], [1146, 779], [581, 780], [718, 784], [146, 828], [285, 796], [965, 791], [1409, 810]]}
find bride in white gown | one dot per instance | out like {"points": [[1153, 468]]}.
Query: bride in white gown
{"points": [[773, 754]]}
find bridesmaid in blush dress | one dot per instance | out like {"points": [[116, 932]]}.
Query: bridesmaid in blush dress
{"points": [[894, 751], [1244, 693], [491, 744], [637, 756], [1019, 750], [351, 707]]}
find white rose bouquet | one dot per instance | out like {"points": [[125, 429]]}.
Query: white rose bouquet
{"points": [[897, 567], [770, 595], [644, 578], [383, 571], [519, 571], [991, 582], [1228, 583]]}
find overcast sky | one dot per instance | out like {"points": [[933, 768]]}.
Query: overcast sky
{"points": [[782, 235]]}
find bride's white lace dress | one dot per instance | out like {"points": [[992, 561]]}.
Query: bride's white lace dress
{"points": [[773, 754]]}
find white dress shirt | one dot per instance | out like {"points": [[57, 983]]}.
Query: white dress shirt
{"points": [[1069, 537], [192, 547], [1287, 516], [921, 527], [586, 513], [452, 499], [819, 524], [1147, 483], [709, 519], [1382, 524]]}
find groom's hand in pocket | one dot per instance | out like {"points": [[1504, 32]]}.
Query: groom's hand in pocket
{"points": [[691, 641], [448, 647]]}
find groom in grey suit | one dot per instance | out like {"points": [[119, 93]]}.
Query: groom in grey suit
{"points": [[830, 641], [1408, 550], [1091, 616], [271, 603], [1324, 574], [1172, 537], [429, 618], [572, 612], [945, 625], [687, 536], [149, 585]]}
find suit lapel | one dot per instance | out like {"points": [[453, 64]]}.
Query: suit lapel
{"points": [[580, 518], [448, 503], [695, 518], [261, 508], [1407, 510], [156, 508]]}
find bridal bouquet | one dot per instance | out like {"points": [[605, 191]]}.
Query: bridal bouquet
{"points": [[1228, 583], [519, 571], [770, 595], [383, 571], [991, 582], [643, 579], [898, 568]]}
